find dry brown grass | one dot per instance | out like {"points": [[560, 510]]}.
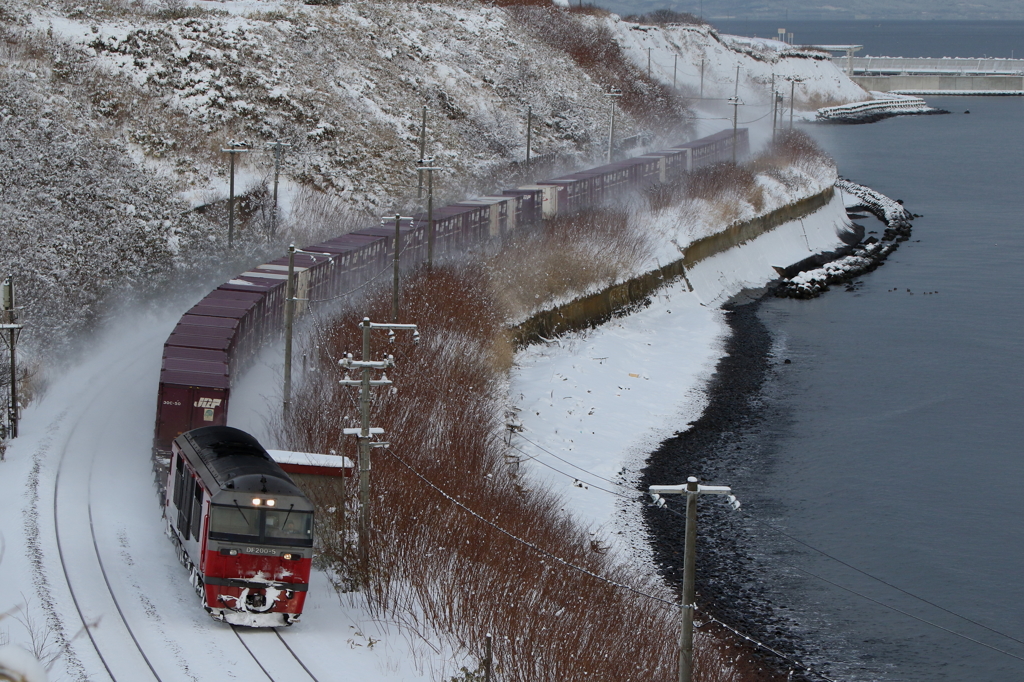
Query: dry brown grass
{"points": [[566, 257], [437, 568]]}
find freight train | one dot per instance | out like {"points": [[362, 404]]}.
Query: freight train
{"points": [[217, 336], [239, 524]]}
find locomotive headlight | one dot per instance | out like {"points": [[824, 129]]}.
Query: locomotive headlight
{"points": [[270, 503], [288, 556], [256, 501], [232, 552]]}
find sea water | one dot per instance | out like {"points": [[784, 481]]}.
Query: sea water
{"points": [[897, 443]]}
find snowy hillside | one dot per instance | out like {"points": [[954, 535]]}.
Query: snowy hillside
{"points": [[146, 95]]}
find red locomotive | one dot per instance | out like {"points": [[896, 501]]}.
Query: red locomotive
{"points": [[240, 527]]}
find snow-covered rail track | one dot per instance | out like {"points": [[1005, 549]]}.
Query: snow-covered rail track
{"points": [[273, 655], [111, 581], [81, 559]]}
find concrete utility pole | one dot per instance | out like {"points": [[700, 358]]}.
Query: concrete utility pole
{"points": [[792, 98], [675, 62], [692, 490], [13, 329], [735, 102], [278, 146], [364, 431], [398, 250], [236, 148], [289, 319], [529, 132], [611, 127], [702, 78], [649, 63], [775, 106], [430, 212], [423, 150]]}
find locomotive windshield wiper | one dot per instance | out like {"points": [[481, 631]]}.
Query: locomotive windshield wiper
{"points": [[241, 512], [285, 522]]}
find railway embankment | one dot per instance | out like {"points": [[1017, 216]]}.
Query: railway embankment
{"points": [[591, 310]]}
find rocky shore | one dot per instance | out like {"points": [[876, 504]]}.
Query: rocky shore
{"points": [[810, 282]]}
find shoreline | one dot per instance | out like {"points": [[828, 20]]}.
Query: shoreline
{"points": [[721, 441]]}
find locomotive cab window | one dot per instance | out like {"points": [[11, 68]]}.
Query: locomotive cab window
{"points": [[286, 527], [234, 523]]}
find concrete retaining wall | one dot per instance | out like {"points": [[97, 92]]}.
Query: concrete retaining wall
{"points": [[598, 308]]}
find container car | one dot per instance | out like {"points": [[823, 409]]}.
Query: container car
{"points": [[230, 325]]}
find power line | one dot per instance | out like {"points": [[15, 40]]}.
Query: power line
{"points": [[887, 606], [526, 543], [585, 571], [884, 582]]}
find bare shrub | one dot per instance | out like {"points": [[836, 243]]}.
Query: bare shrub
{"points": [[663, 17], [317, 215], [594, 49], [791, 147], [432, 564]]}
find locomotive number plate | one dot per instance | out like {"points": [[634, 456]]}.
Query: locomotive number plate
{"points": [[260, 550]]}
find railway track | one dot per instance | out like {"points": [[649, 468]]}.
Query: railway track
{"points": [[131, 603]]}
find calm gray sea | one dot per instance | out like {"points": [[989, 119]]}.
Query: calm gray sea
{"points": [[899, 442]]}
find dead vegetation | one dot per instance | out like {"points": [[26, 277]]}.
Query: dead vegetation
{"points": [[460, 544]]}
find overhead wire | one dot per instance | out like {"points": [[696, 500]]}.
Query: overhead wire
{"points": [[810, 573], [888, 606], [570, 565]]}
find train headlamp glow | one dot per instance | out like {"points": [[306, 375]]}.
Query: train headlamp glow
{"points": [[288, 556], [256, 501], [270, 503]]}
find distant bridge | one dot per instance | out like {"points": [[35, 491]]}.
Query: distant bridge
{"points": [[936, 76]]}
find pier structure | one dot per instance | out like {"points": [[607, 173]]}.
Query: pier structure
{"points": [[936, 76]]}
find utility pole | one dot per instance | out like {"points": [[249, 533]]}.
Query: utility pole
{"points": [[529, 132], [649, 63], [675, 62], [364, 431], [735, 102], [792, 101], [289, 318], [692, 489], [430, 212], [774, 106], [398, 249], [278, 146], [423, 150], [10, 324], [236, 148], [702, 78], [611, 127]]}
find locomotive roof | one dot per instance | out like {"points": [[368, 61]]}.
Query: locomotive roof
{"points": [[238, 462]]}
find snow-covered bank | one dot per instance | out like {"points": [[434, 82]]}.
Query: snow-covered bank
{"points": [[593, 404]]}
